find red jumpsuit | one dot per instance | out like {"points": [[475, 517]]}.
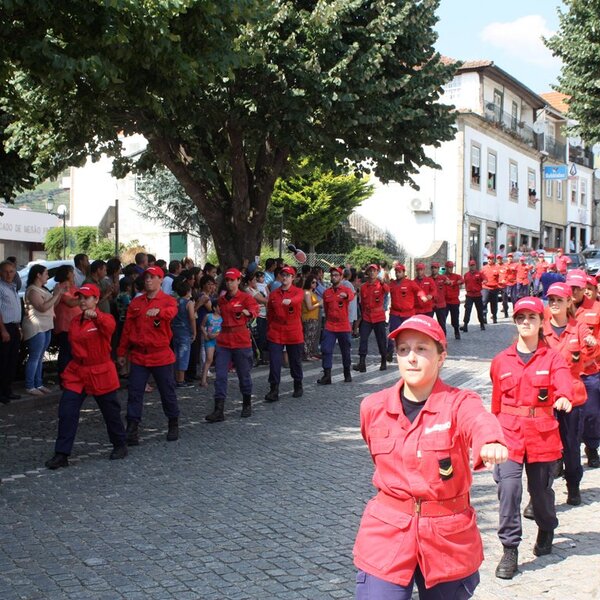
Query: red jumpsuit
{"points": [[405, 294], [336, 308], [426, 460], [428, 287], [372, 296], [285, 321], [234, 331]]}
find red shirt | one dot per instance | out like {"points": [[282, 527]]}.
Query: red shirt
{"points": [[588, 313], [284, 321], [440, 291], [511, 274], [234, 331], [391, 543], [523, 273], [571, 345], [453, 288], [489, 275], [502, 275], [428, 286], [336, 308], [405, 294], [372, 296], [473, 284], [539, 383], [91, 369], [148, 339], [561, 263], [540, 268]]}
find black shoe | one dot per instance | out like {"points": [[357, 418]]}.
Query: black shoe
{"points": [[573, 495], [543, 543], [326, 377], [347, 376], [273, 394], [118, 453], [593, 458], [465, 329], [494, 320], [14, 396], [505, 315], [528, 511], [383, 365], [389, 356], [173, 431], [508, 566], [298, 391], [217, 415], [361, 365], [482, 326], [246, 407], [184, 384], [57, 461], [457, 335], [132, 433]]}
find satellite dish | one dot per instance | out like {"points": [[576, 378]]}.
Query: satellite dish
{"points": [[596, 148], [575, 141], [597, 173], [539, 127]]}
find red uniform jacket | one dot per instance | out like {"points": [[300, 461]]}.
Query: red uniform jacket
{"points": [[511, 274], [588, 313], [91, 370], [284, 321], [148, 339], [234, 331], [539, 383], [372, 297], [391, 543], [428, 287], [441, 282], [489, 275], [561, 263], [405, 294], [336, 308], [575, 351], [502, 275], [453, 288], [540, 269], [523, 273], [473, 284]]}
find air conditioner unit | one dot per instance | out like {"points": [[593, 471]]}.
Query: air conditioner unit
{"points": [[420, 206]]}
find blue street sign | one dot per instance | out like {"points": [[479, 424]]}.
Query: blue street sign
{"points": [[555, 172]]}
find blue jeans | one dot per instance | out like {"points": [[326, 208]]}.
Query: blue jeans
{"points": [[182, 347], [36, 346]]}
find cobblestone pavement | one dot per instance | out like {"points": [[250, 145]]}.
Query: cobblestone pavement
{"points": [[258, 509]]}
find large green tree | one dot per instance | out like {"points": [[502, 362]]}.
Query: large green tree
{"points": [[225, 92], [577, 43]]}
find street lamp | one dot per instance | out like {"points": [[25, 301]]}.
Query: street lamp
{"points": [[61, 213]]}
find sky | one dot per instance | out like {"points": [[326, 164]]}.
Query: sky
{"points": [[508, 32]]}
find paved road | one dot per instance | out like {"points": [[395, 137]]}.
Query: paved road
{"points": [[258, 509]]}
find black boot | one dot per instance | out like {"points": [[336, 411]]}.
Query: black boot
{"points": [[508, 566], [573, 495], [543, 543], [273, 394], [361, 366], [173, 431], [456, 334], [464, 328], [298, 391], [482, 326], [118, 453], [57, 461], [217, 414], [347, 375], [528, 511], [593, 458], [383, 365], [246, 406], [389, 356], [326, 377], [132, 433]]}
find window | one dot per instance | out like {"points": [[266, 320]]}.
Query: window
{"points": [[531, 191], [498, 102], [559, 194], [513, 180], [491, 178], [583, 192], [475, 165], [573, 185], [514, 117], [549, 186]]}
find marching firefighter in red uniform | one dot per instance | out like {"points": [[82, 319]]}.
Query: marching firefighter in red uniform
{"points": [[91, 371], [473, 286], [455, 281], [284, 323], [428, 288]]}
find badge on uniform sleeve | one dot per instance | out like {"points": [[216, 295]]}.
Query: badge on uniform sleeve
{"points": [[543, 395], [575, 356], [446, 470], [156, 322]]}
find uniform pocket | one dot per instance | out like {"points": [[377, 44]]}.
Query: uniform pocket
{"points": [[381, 445], [103, 378]]}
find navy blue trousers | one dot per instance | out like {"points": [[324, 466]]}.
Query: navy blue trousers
{"points": [[242, 359], [294, 352], [328, 344], [441, 314], [165, 382], [571, 426], [395, 322], [489, 297], [469, 302], [454, 310], [365, 331], [69, 408], [591, 411]]}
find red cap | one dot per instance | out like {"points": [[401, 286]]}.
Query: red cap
{"points": [[287, 270], [509, 254], [435, 264], [424, 324], [560, 289], [336, 270], [155, 272], [399, 268], [576, 278], [499, 256], [523, 258], [529, 303], [449, 263], [472, 262], [491, 256], [533, 253], [87, 290], [420, 266], [592, 280], [232, 273], [373, 266]]}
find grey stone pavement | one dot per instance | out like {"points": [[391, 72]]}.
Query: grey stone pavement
{"points": [[249, 509]]}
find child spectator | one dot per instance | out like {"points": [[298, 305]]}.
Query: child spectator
{"points": [[184, 331], [211, 328], [122, 302]]}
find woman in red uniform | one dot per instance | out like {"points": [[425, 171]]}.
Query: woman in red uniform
{"points": [[578, 347], [420, 527], [530, 381], [90, 371]]}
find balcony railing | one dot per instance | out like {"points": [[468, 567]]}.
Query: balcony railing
{"points": [[581, 156], [507, 122]]}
